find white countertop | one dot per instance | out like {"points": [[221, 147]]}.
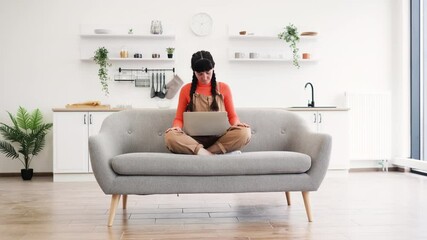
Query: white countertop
{"points": [[317, 109], [86, 109]]}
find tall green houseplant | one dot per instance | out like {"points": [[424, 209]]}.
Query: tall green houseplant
{"points": [[25, 138], [291, 36], [101, 58]]}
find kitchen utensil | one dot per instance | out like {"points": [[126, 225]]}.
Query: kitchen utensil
{"points": [[165, 90], [157, 84], [161, 93], [153, 93]]}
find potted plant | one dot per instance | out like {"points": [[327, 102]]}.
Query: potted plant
{"points": [[101, 58], [290, 35], [170, 51], [28, 134]]}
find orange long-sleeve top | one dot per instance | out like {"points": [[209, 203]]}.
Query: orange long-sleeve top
{"points": [[204, 89]]}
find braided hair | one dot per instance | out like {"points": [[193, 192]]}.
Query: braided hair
{"points": [[202, 61]]}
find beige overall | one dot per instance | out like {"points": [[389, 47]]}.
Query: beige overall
{"points": [[234, 139]]}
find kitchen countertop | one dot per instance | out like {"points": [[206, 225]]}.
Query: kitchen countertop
{"points": [[95, 109], [317, 109], [87, 109]]}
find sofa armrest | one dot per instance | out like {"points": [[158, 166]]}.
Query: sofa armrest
{"points": [[102, 148], [318, 147]]}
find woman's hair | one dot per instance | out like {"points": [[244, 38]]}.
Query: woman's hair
{"points": [[202, 61]]}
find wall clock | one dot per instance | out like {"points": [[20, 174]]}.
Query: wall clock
{"points": [[201, 24]]}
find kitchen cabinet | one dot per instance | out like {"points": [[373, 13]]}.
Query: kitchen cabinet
{"points": [[335, 123], [71, 131]]}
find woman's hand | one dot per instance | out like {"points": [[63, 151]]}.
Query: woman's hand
{"points": [[178, 129]]}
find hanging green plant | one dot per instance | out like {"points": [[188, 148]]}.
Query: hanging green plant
{"points": [[290, 35], [101, 58]]}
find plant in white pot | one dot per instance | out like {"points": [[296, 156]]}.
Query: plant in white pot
{"points": [[25, 138]]}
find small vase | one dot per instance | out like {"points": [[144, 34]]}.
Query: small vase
{"points": [[27, 174], [156, 27]]}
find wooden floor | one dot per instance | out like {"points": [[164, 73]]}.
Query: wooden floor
{"points": [[371, 205]]}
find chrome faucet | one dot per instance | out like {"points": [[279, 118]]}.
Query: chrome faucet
{"points": [[310, 104]]}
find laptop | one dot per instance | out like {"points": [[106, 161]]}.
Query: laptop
{"points": [[205, 123]]}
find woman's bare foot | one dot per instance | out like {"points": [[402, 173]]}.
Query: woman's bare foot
{"points": [[203, 151]]}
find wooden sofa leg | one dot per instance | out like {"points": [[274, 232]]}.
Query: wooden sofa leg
{"points": [[305, 196], [288, 198], [115, 198], [125, 201]]}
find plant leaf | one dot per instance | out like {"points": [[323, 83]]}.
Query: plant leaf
{"points": [[10, 133], [13, 119], [39, 144], [8, 149], [36, 119], [23, 118]]}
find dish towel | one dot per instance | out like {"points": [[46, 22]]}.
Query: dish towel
{"points": [[173, 86]]}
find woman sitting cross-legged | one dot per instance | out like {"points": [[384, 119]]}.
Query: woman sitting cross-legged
{"points": [[203, 94]]}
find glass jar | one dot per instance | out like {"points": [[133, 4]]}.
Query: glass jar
{"points": [[156, 27], [124, 53]]}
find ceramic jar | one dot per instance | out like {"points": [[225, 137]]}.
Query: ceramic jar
{"points": [[156, 27]]}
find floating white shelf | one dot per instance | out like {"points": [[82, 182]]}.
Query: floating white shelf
{"points": [[269, 60], [136, 59], [267, 37], [130, 36]]}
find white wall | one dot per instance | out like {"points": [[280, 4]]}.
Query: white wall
{"points": [[361, 47]]}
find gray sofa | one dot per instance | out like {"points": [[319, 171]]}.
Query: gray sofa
{"points": [[129, 156]]}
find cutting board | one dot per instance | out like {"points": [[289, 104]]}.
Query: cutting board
{"points": [[78, 106]]}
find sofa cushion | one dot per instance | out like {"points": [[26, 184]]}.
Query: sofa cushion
{"points": [[249, 163]]}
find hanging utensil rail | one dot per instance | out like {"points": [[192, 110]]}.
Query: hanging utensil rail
{"points": [[141, 77], [147, 69]]}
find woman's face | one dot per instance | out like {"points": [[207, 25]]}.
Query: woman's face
{"points": [[204, 77]]}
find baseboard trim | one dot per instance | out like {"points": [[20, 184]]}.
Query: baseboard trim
{"points": [[36, 174], [410, 163], [390, 169]]}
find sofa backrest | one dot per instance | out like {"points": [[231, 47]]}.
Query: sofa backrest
{"points": [[142, 130]]}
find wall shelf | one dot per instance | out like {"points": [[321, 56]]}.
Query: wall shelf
{"points": [[268, 37], [269, 60], [129, 36], [135, 59], [117, 39], [268, 47]]}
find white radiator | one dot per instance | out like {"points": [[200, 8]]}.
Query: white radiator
{"points": [[370, 126]]}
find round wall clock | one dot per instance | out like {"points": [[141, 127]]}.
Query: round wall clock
{"points": [[201, 24]]}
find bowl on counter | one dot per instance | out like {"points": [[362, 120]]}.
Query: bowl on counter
{"points": [[102, 31]]}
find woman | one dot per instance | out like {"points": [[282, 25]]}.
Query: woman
{"points": [[204, 93]]}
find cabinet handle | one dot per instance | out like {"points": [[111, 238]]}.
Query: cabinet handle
{"points": [[90, 119], [84, 119], [315, 118], [320, 118]]}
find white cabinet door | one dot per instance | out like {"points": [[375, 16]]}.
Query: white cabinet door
{"points": [[70, 136], [334, 123], [95, 123], [310, 118]]}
